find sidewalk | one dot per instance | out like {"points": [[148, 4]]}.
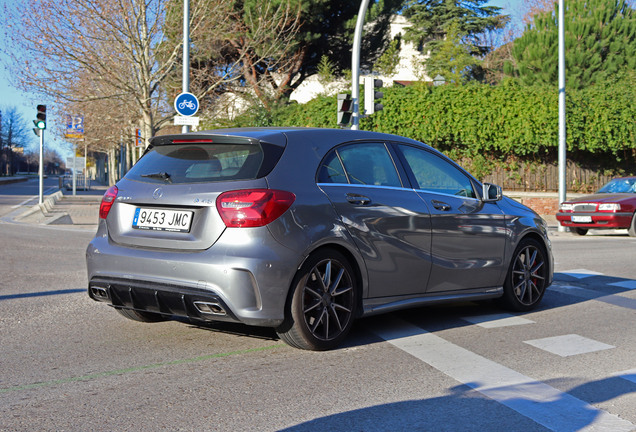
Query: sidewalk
{"points": [[63, 208]]}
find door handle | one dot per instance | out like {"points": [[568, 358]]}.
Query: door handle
{"points": [[357, 199], [442, 206]]}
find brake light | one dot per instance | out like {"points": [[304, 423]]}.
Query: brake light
{"points": [[107, 201], [253, 207]]}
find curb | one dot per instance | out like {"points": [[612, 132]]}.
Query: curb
{"points": [[13, 180], [45, 208]]}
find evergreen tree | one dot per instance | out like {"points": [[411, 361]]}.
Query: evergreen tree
{"points": [[451, 59], [432, 21], [600, 44]]}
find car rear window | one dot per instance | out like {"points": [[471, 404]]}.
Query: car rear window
{"points": [[194, 163]]}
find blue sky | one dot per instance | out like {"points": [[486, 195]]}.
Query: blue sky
{"points": [[10, 96]]}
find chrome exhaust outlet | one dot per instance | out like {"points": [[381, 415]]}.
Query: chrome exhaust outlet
{"points": [[210, 308], [99, 293]]}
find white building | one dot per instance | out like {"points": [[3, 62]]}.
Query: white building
{"points": [[409, 69]]}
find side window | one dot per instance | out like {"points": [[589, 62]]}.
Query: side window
{"points": [[331, 170], [369, 164], [434, 174]]}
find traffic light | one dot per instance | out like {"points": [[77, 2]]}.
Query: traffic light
{"points": [[371, 95], [345, 108], [40, 123]]}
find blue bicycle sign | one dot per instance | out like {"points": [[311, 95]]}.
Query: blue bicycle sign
{"points": [[186, 104]]}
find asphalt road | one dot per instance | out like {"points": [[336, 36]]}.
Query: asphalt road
{"points": [[70, 364], [18, 195]]}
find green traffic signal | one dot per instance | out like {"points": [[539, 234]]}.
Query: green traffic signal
{"points": [[40, 123]]}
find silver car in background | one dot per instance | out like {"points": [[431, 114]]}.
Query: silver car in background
{"points": [[304, 230]]}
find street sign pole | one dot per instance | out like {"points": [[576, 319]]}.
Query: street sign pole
{"points": [[74, 169], [186, 54], [41, 170]]}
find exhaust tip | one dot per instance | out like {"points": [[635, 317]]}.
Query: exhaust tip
{"points": [[210, 308], [99, 293]]}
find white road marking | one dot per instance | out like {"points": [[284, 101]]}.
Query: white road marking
{"points": [[568, 345], [629, 375], [536, 400], [51, 189], [497, 320], [630, 284], [580, 273], [613, 299]]}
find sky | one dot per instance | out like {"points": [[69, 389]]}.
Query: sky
{"points": [[10, 96]]}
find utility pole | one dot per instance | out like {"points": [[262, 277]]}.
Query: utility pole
{"points": [[562, 131], [355, 65]]}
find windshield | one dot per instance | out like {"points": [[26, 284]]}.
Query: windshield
{"points": [[622, 185], [193, 163]]}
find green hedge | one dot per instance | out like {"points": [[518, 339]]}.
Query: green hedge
{"points": [[489, 124]]}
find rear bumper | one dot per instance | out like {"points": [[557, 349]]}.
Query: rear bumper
{"points": [[247, 277], [165, 299], [599, 220]]}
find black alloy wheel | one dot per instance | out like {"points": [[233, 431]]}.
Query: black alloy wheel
{"points": [[526, 280], [323, 304]]}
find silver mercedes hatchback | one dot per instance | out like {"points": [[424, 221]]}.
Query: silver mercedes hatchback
{"points": [[304, 230]]}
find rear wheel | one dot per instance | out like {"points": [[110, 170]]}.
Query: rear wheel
{"points": [[526, 280], [632, 228], [323, 303], [579, 231], [141, 316]]}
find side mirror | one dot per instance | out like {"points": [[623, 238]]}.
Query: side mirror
{"points": [[491, 192]]}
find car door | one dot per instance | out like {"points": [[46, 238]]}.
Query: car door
{"points": [[389, 223], [468, 235]]}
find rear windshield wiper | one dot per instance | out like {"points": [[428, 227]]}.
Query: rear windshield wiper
{"points": [[160, 175]]}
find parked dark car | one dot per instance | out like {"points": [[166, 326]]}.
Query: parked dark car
{"points": [[304, 230], [612, 207]]}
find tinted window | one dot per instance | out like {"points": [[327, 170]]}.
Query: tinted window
{"points": [[331, 170], [435, 174], [369, 164], [191, 163]]}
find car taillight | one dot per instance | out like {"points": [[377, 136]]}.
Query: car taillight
{"points": [[107, 201], [253, 207]]}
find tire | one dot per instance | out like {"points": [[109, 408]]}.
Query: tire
{"points": [[579, 231], [141, 316], [632, 228], [323, 303], [525, 282]]}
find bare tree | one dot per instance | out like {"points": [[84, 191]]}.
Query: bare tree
{"points": [[82, 52]]}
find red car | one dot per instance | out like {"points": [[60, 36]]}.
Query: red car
{"points": [[613, 207]]}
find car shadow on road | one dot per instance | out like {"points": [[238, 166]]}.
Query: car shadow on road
{"points": [[465, 409], [264, 333], [566, 290]]}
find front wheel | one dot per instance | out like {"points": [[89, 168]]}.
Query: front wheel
{"points": [[526, 279], [323, 303], [579, 231]]}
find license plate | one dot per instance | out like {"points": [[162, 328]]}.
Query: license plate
{"points": [[162, 219], [582, 219]]}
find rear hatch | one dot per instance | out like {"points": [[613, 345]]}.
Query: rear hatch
{"points": [[168, 199]]}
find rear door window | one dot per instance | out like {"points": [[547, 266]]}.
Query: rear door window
{"points": [[193, 163], [363, 164]]}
